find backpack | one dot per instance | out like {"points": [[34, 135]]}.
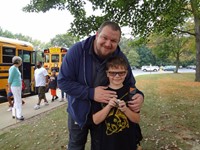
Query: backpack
{"points": [[23, 85]]}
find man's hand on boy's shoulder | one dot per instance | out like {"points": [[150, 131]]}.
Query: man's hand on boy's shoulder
{"points": [[102, 95], [136, 103]]}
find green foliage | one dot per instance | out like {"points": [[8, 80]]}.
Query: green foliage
{"points": [[143, 17], [64, 40], [125, 45], [146, 56], [133, 58], [43, 5], [171, 49], [129, 51]]}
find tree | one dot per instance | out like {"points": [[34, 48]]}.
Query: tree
{"points": [[37, 44], [144, 17], [146, 57], [129, 50], [133, 58], [170, 47], [64, 40]]}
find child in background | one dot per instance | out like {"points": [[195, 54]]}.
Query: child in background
{"points": [[53, 85], [10, 101]]}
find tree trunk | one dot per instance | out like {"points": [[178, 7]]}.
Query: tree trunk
{"points": [[197, 38], [177, 62], [195, 11]]}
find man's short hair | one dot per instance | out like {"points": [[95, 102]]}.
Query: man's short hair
{"points": [[40, 62], [111, 24]]}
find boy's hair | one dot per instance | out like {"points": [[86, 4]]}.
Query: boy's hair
{"points": [[111, 24], [116, 62]]}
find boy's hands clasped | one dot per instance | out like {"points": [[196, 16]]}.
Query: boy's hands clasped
{"points": [[121, 104]]}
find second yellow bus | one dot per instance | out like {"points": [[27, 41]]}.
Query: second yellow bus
{"points": [[53, 57]]}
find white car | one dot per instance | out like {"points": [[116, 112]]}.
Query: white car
{"points": [[150, 68], [191, 67]]}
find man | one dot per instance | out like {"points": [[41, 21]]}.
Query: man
{"points": [[41, 81], [82, 75]]}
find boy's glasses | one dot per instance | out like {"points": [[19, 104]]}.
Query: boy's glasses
{"points": [[113, 73]]}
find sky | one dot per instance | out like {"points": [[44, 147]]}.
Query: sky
{"points": [[39, 26]]}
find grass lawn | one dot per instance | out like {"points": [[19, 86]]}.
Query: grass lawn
{"points": [[169, 119]]}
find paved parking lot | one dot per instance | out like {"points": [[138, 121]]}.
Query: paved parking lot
{"points": [[137, 72]]}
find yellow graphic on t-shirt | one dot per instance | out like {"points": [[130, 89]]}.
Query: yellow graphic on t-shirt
{"points": [[116, 122]]}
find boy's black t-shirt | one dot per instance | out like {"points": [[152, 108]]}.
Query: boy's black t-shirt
{"points": [[117, 132], [53, 82]]}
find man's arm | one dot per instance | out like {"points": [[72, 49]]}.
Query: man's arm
{"points": [[138, 99], [102, 95], [71, 78], [136, 103]]}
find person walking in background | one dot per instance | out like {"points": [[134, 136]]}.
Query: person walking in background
{"points": [[15, 85], [63, 96], [41, 82], [53, 85], [82, 76], [116, 120]]}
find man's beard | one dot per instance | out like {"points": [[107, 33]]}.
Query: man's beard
{"points": [[100, 55]]}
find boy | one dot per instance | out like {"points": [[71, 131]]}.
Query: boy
{"points": [[10, 101], [53, 85], [117, 121]]}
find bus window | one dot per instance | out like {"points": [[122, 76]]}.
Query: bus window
{"points": [[33, 59], [8, 54], [46, 58], [55, 58], [25, 57]]}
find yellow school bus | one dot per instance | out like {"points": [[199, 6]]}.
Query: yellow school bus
{"points": [[10, 48], [53, 57]]}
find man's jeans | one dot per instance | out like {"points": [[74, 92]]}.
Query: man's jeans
{"points": [[78, 136]]}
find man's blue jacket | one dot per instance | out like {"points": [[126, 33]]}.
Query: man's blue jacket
{"points": [[76, 79]]}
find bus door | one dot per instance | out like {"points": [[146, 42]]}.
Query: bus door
{"points": [[26, 70]]}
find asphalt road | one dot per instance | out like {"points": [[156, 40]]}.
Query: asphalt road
{"points": [[182, 70]]}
